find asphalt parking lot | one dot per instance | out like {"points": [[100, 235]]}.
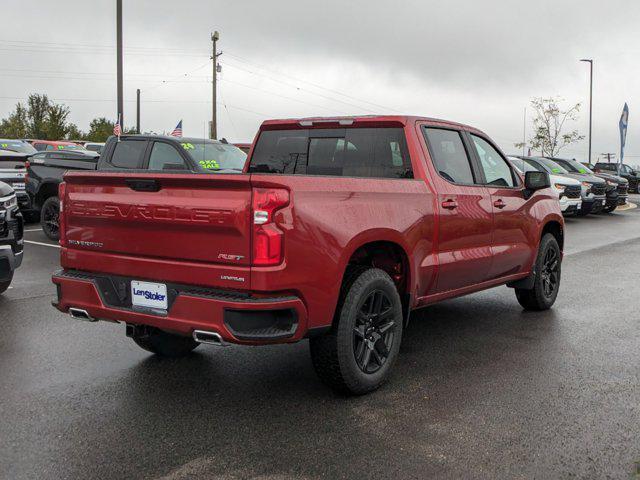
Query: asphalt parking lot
{"points": [[481, 389]]}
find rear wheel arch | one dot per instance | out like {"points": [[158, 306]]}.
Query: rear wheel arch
{"points": [[387, 255], [46, 191]]}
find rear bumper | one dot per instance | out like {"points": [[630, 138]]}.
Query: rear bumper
{"points": [[237, 318]]}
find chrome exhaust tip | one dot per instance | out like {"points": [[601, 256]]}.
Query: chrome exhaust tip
{"points": [[80, 314], [210, 338]]}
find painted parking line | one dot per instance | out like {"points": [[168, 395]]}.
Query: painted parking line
{"points": [[33, 230], [42, 243]]}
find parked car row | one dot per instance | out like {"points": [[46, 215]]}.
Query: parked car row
{"points": [[580, 190]]}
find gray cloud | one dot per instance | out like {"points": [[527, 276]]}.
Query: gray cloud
{"points": [[473, 61]]}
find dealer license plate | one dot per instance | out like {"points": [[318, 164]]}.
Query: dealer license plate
{"points": [[149, 295]]}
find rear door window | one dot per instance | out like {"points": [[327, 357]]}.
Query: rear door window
{"points": [[449, 155], [128, 154], [165, 157], [354, 152]]}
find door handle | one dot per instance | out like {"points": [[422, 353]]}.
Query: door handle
{"points": [[450, 204], [143, 185], [499, 203]]}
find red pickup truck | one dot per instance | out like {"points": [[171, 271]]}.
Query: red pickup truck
{"points": [[335, 230]]}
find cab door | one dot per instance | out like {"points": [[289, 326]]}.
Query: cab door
{"points": [[512, 239], [465, 220]]}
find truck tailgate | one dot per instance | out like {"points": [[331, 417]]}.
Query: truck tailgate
{"points": [[191, 219]]}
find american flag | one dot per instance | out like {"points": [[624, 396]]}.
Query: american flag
{"points": [[117, 130], [177, 132]]}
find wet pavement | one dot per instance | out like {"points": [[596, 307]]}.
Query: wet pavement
{"points": [[481, 388]]}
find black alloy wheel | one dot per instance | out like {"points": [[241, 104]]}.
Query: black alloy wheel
{"points": [[546, 277], [50, 218], [373, 334], [550, 272]]}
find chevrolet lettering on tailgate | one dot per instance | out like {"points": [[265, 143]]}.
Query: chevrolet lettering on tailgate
{"points": [[149, 212]]}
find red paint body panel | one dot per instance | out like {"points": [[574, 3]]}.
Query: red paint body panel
{"points": [[197, 230]]}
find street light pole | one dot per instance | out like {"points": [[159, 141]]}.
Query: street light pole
{"points": [[590, 61], [119, 62]]}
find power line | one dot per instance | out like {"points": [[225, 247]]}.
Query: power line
{"points": [[281, 96], [244, 60], [301, 89]]}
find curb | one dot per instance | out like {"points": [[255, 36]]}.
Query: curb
{"points": [[628, 206]]}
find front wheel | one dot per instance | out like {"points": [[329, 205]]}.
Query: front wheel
{"points": [[4, 284], [356, 357], [50, 218], [547, 277], [609, 208]]}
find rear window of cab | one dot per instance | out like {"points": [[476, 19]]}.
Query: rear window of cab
{"points": [[353, 152]]}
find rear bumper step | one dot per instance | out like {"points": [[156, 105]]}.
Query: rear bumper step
{"points": [[232, 316]]}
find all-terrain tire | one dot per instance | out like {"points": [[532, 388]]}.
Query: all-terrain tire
{"points": [[541, 297], [334, 354], [4, 284], [50, 218]]}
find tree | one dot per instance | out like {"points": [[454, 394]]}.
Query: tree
{"points": [[548, 126], [56, 126], [37, 114], [15, 126], [74, 133], [100, 129]]}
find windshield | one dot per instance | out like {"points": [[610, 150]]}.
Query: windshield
{"points": [[69, 147], [215, 156], [551, 167], [17, 146], [533, 166], [573, 166]]}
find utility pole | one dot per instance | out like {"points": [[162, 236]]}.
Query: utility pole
{"points": [[119, 62], [590, 61], [138, 111], [214, 57]]}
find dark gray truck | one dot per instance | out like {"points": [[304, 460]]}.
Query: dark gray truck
{"points": [[44, 175], [129, 152]]}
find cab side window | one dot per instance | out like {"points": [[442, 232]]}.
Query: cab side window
{"points": [[128, 154], [496, 170], [165, 157], [449, 155]]}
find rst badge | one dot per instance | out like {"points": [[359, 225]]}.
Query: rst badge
{"points": [[227, 256]]}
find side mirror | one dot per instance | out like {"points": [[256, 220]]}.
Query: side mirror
{"points": [[535, 181]]}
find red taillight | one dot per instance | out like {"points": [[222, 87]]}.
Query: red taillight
{"points": [[62, 188], [27, 164], [268, 239]]}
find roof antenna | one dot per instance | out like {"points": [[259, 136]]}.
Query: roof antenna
{"points": [[224, 140]]}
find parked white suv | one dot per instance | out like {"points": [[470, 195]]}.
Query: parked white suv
{"points": [[569, 190]]}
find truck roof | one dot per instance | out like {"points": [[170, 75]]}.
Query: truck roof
{"points": [[153, 136], [362, 120]]}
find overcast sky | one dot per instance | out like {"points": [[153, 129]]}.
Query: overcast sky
{"points": [[477, 62]]}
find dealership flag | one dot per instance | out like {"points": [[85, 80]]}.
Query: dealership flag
{"points": [[624, 122], [177, 132]]}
